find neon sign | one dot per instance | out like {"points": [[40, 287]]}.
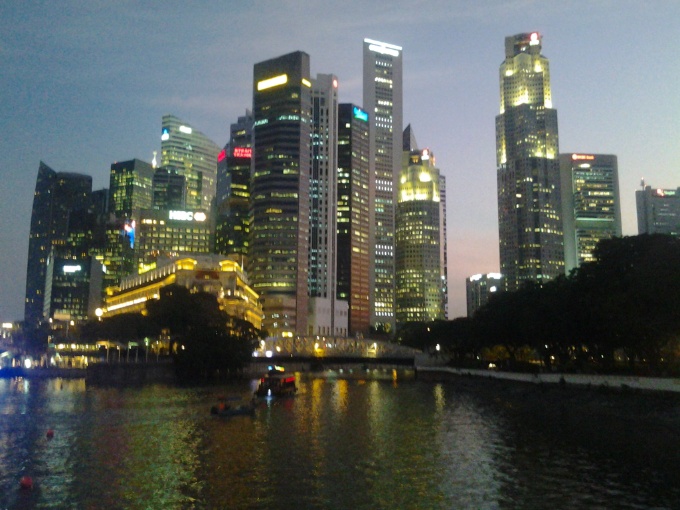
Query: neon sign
{"points": [[72, 269], [243, 152], [221, 155], [580, 157]]}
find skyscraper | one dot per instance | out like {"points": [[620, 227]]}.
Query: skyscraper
{"points": [[384, 104], [658, 210], [353, 215], [169, 190], [130, 191], [529, 221], [591, 205], [232, 228], [279, 261], [323, 316], [190, 153], [443, 245], [57, 196], [479, 288], [419, 292]]}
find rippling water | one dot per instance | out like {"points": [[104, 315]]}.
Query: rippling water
{"points": [[339, 444]]}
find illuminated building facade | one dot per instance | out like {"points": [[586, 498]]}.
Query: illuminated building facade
{"points": [[323, 318], [57, 198], [443, 245], [280, 195], [658, 210], [591, 204], [213, 274], [232, 229], [382, 98], [479, 288], [529, 207], [353, 218], [190, 153], [419, 295], [170, 233], [130, 191]]}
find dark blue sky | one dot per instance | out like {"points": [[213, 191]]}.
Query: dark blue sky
{"points": [[85, 83]]}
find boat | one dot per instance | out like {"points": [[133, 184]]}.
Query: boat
{"points": [[276, 383], [225, 409]]}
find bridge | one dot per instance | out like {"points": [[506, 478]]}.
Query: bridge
{"points": [[331, 348]]}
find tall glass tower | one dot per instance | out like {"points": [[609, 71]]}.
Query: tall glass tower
{"points": [[58, 196], [528, 176], [383, 100], [591, 205], [232, 227], [280, 193], [353, 215], [190, 153], [419, 291]]}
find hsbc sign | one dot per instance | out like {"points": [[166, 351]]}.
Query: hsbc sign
{"points": [[186, 215]]}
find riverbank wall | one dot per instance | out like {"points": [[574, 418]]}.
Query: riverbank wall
{"points": [[443, 373]]}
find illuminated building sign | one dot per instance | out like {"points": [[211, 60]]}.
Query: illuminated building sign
{"points": [[186, 215], [272, 82], [306, 82], [165, 134], [129, 231], [581, 157], [243, 152], [533, 39], [221, 155], [360, 114], [383, 48], [185, 129], [72, 269]]}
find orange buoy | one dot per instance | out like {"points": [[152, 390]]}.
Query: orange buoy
{"points": [[26, 483], [50, 434]]}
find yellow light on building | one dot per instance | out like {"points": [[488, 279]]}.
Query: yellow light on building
{"points": [[272, 82]]}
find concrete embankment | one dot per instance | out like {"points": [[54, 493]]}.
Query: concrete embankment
{"points": [[441, 373]]}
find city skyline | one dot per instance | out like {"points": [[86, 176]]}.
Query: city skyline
{"points": [[80, 105]]}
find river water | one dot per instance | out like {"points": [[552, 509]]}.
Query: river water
{"points": [[360, 442]]}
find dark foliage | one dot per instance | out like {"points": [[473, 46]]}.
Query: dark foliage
{"points": [[623, 306]]}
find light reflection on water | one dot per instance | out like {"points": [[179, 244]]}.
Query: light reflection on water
{"points": [[339, 443]]}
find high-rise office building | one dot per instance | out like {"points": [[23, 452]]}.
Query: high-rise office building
{"points": [[443, 245], [169, 190], [529, 207], [130, 191], [591, 205], [479, 288], [658, 210], [278, 262], [354, 216], [419, 293], [170, 233], [323, 316], [232, 228], [190, 153], [58, 195], [383, 101]]}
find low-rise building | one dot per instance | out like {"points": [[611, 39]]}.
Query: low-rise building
{"points": [[214, 274]]}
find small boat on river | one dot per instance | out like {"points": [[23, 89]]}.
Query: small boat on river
{"points": [[223, 408], [276, 383]]}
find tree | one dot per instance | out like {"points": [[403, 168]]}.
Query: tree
{"points": [[205, 341]]}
